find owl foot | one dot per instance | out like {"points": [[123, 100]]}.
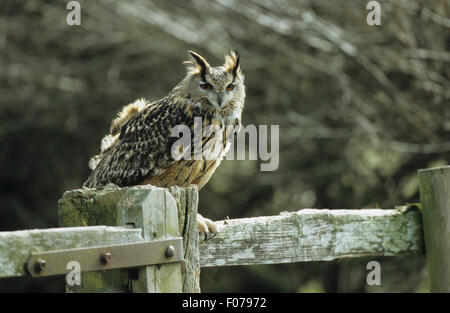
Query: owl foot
{"points": [[206, 226]]}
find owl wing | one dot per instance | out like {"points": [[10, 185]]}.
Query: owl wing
{"points": [[143, 148]]}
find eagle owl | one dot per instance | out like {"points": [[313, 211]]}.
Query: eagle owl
{"points": [[138, 149]]}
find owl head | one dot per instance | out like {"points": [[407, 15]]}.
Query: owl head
{"points": [[221, 88]]}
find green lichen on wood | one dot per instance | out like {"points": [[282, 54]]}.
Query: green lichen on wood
{"points": [[83, 207], [89, 207], [102, 281], [16, 246], [112, 205], [313, 235]]}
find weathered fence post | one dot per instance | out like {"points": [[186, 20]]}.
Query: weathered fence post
{"points": [[187, 202], [160, 213], [435, 200]]}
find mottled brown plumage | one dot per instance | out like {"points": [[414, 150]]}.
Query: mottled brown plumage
{"points": [[138, 148]]}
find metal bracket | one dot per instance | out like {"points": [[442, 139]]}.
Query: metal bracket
{"points": [[106, 257]]}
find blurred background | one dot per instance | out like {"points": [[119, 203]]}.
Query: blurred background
{"points": [[361, 108]]}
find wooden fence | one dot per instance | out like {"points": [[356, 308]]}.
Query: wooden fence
{"points": [[122, 221]]}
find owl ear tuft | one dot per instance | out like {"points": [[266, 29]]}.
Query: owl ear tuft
{"points": [[232, 63], [198, 64]]}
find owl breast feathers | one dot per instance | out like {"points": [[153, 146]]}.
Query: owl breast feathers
{"points": [[138, 149]]}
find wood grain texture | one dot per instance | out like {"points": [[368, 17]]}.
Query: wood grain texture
{"points": [[156, 212], [313, 235], [16, 246], [301, 236], [434, 187], [187, 202], [90, 207]]}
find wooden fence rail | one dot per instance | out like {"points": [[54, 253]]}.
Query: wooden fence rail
{"points": [[145, 213], [314, 235], [16, 246], [302, 236]]}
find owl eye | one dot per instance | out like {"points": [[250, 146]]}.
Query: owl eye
{"points": [[205, 86], [230, 87]]}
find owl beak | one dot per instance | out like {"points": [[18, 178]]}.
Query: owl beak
{"points": [[219, 99]]}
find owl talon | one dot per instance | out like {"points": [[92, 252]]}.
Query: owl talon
{"points": [[206, 226]]}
